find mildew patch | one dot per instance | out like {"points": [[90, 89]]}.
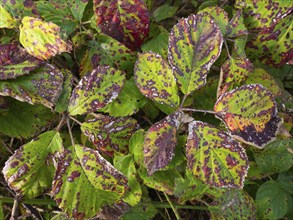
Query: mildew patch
{"points": [[188, 53], [214, 157]]}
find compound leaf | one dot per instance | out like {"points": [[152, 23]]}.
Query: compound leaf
{"points": [[95, 90], [125, 20], [160, 143], [30, 170], [110, 134], [233, 74], [42, 86], [250, 114], [214, 157], [72, 188], [15, 61], [155, 80], [41, 39], [234, 204], [194, 45]]}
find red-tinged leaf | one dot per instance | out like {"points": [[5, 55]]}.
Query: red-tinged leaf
{"points": [[154, 78], [273, 47], [95, 90], [125, 20], [233, 74], [263, 14], [194, 45], [160, 143], [20, 8], [236, 26], [15, 61], [110, 134], [42, 86], [250, 114], [214, 157], [84, 182]]}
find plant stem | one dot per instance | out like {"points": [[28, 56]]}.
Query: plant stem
{"points": [[172, 207], [183, 100], [198, 110], [6, 199], [69, 130], [177, 206], [74, 119], [227, 48], [14, 212], [61, 123]]}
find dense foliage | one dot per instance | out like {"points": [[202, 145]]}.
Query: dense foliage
{"points": [[147, 109]]}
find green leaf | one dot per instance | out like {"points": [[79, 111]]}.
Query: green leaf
{"points": [[126, 165], [20, 8], [214, 157], [30, 170], [114, 211], [262, 14], [219, 15], [271, 201], [22, 120], [285, 180], [6, 21], [136, 144], [95, 90], [72, 188], [236, 25], [125, 20], [128, 101], [276, 156], [77, 8], [194, 45], [155, 79], [250, 114], [273, 47], [234, 204], [164, 11], [15, 62], [160, 143], [240, 46], [233, 73], [58, 12], [41, 86], [110, 134], [41, 39]]}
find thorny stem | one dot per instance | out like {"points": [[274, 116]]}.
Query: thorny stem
{"points": [[172, 207], [69, 130], [198, 110]]}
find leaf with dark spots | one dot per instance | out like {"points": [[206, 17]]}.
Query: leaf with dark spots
{"points": [[30, 170], [15, 61], [108, 51], [263, 14], [160, 143], [234, 204], [22, 120], [236, 25], [110, 134], [41, 39], [219, 15], [273, 47], [42, 86], [72, 190], [154, 78], [95, 90], [6, 21], [194, 45], [114, 211], [250, 114], [125, 20], [20, 8], [214, 157], [233, 73], [100, 173]]}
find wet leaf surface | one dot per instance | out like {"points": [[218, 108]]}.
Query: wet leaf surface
{"points": [[160, 143], [42, 86], [250, 114], [154, 78], [234, 204], [110, 134], [214, 157], [41, 39], [96, 89], [15, 61], [188, 54], [30, 170], [72, 188], [125, 20], [233, 73]]}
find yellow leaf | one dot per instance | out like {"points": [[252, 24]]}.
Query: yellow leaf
{"points": [[6, 21]]}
